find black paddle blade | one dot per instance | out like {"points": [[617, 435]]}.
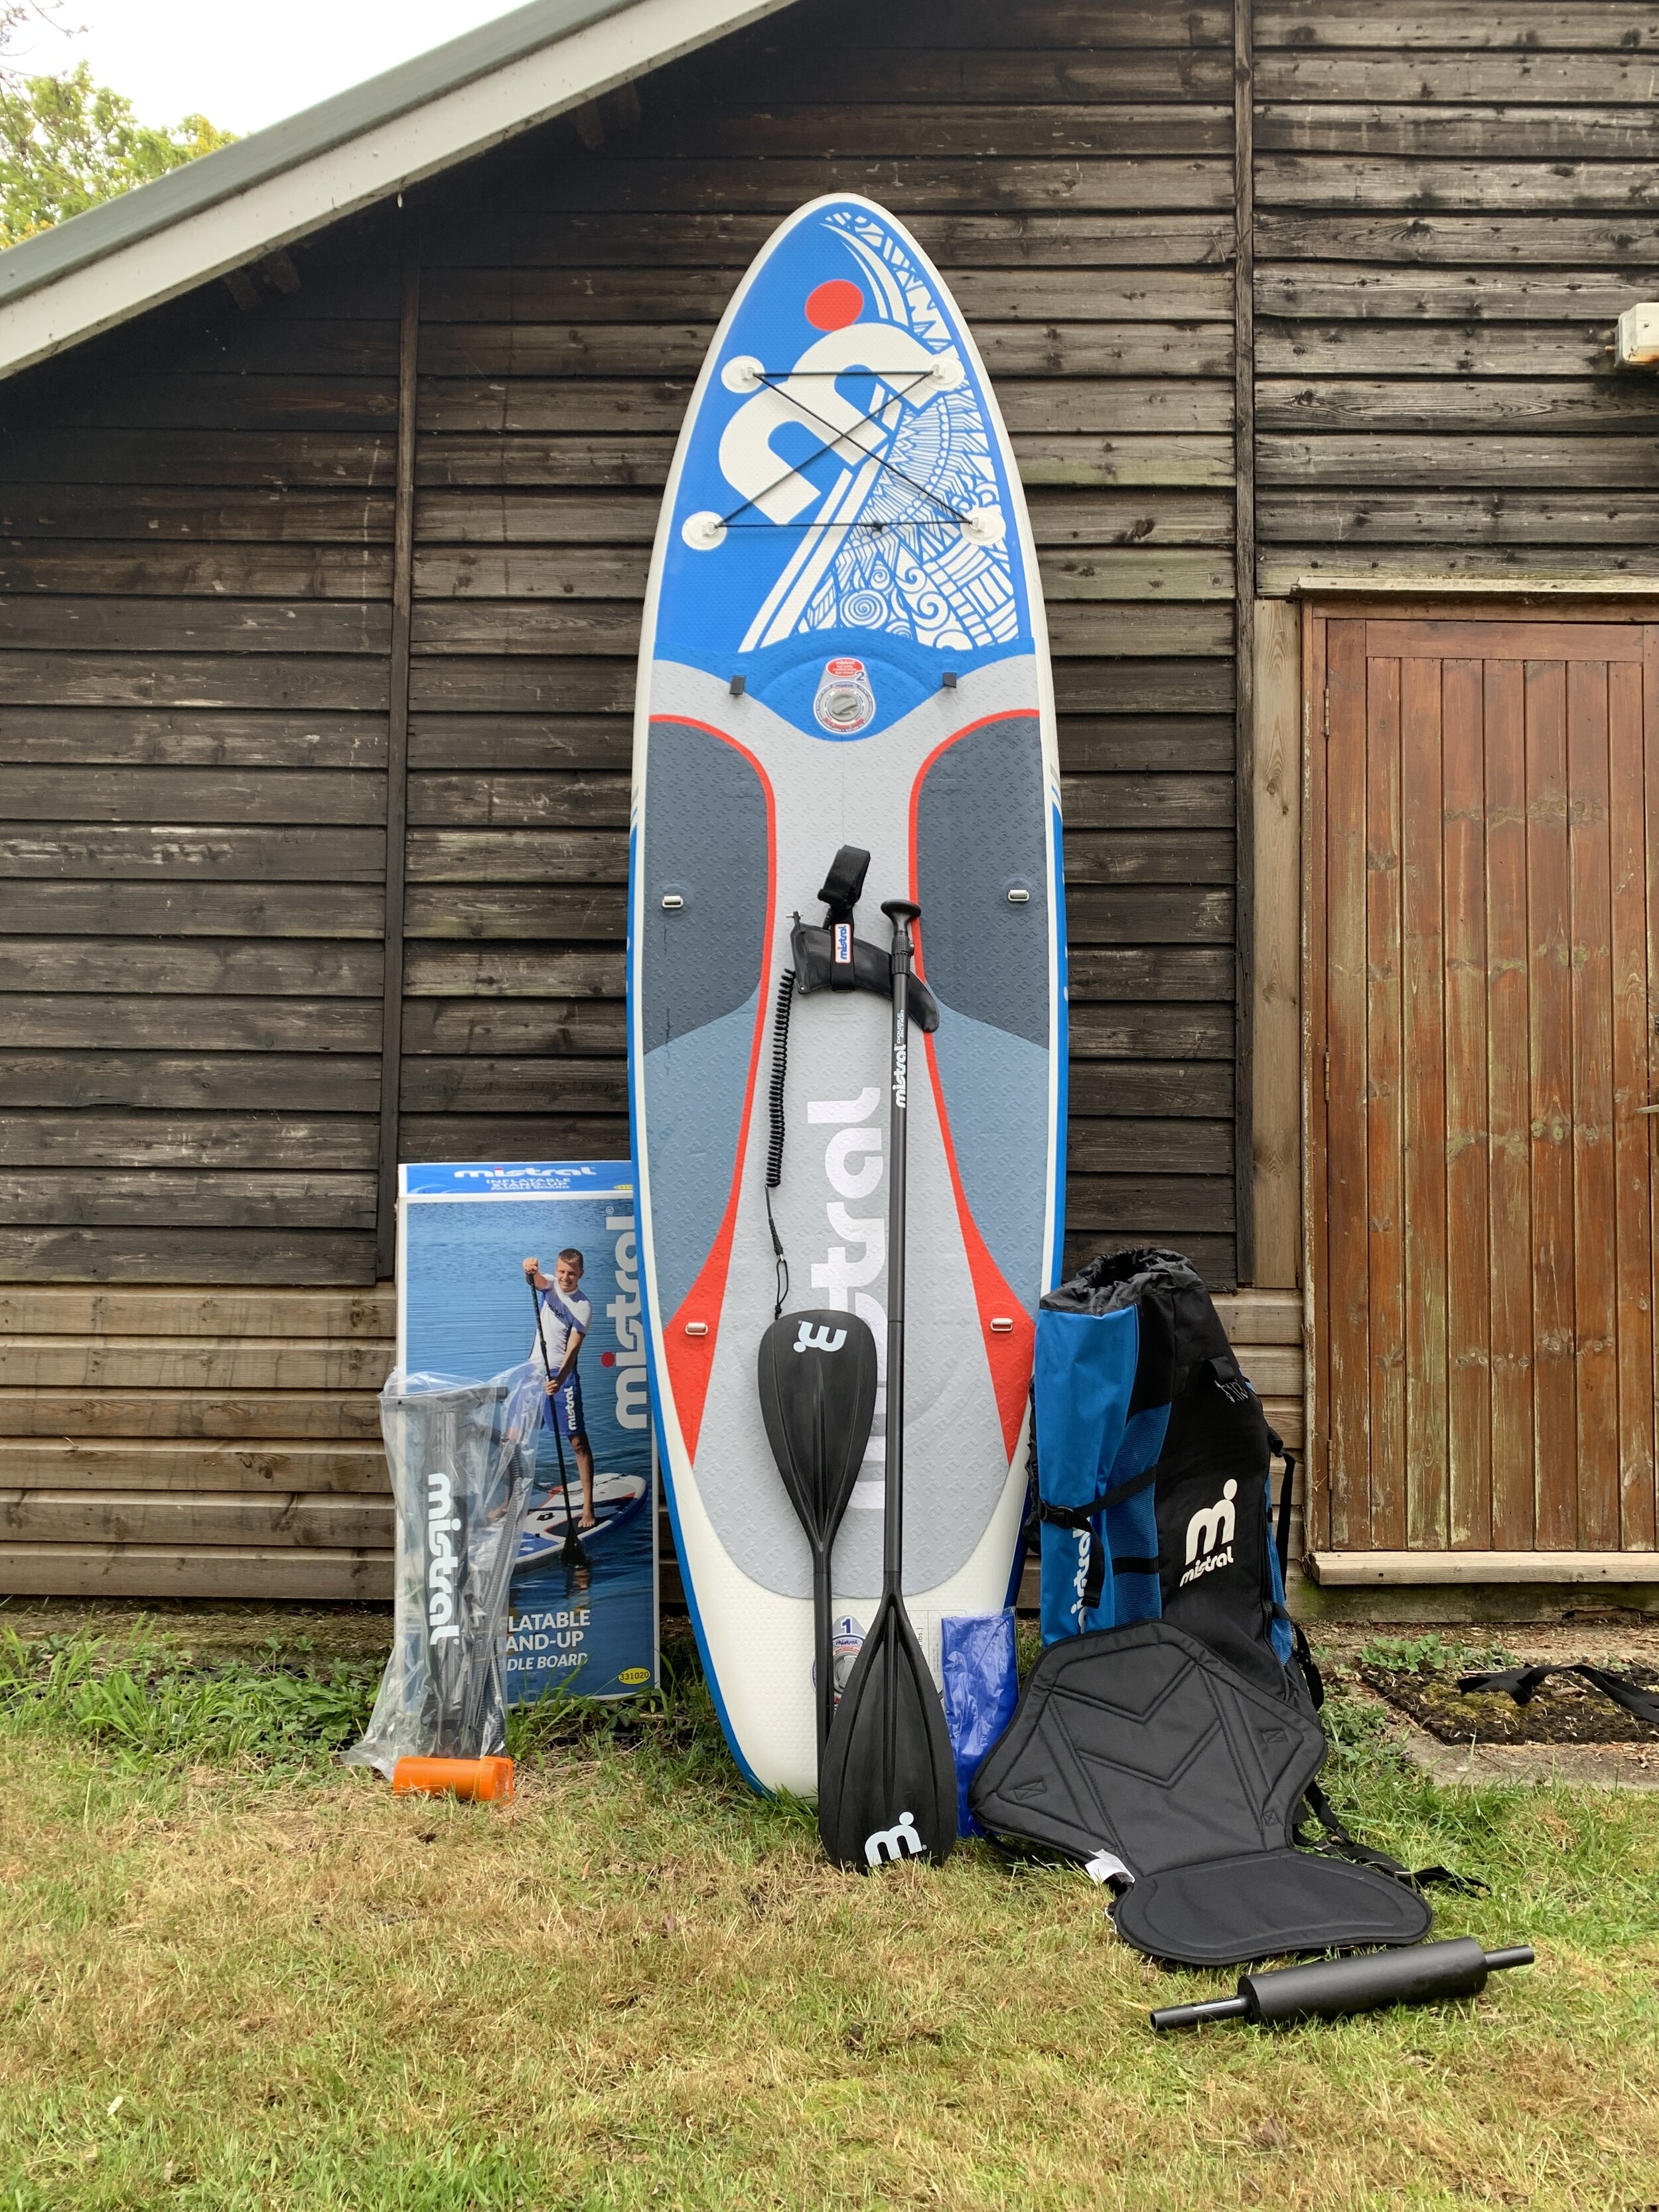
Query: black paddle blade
{"points": [[818, 1394], [887, 1787]]}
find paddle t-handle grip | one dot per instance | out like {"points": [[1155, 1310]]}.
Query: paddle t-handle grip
{"points": [[1420, 1973]]}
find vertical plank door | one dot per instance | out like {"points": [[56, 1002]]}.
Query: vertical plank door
{"points": [[1483, 984]]}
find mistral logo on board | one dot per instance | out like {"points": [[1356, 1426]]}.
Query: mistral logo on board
{"points": [[886, 1844], [632, 1398], [1210, 1536], [443, 1558]]}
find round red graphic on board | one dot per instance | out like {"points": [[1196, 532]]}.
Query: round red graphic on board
{"points": [[607, 1360], [831, 307]]}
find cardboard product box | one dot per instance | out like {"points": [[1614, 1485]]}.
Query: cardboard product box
{"points": [[465, 1230]]}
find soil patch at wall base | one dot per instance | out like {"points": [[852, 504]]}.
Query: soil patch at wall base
{"points": [[1562, 1711]]}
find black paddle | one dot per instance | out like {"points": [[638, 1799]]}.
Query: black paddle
{"points": [[818, 1394], [574, 1553], [888, 1787]]}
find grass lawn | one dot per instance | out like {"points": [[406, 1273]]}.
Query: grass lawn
{"points": [[236, 1976]]}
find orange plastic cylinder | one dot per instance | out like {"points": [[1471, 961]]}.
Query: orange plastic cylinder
{"points": [[484, 1780]]}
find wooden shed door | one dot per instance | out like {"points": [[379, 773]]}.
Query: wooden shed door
{"points": [[1484, 978]]}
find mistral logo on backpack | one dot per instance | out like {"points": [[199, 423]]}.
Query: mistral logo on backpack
{"points": [[1210, 1536], [442, 1559], [884, 1844]]}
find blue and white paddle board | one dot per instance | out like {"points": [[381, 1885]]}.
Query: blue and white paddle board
{"points": [[844, 644]]}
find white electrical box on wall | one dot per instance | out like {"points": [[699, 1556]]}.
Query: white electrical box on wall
{"points": [[1636, 344]]}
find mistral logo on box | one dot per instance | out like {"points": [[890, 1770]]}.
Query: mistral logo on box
{"points": [[633, 1396], [887, 1844], [1210, 1536], [442, 1557]]}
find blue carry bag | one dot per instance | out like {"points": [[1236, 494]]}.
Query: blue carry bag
{"points": [[1153, 1461]]}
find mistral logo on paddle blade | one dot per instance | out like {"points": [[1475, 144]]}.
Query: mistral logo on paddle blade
{"points": [[817, 1337], [886, 1844], [1210, 1536]]}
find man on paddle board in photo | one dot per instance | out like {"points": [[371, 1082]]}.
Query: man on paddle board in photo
{"points": [[566, 1318]]}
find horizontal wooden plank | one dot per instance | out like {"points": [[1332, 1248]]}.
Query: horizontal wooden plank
{"points": [[1513, 461], [69, 1254], [585, 857], [1147, 802], [110, 1019], [513, 1137], [1606, 131], [1282, 570], [1150, 743], [1168, 973], [139, 909], [1001, 129], [281, 1083], [99, 1139], [1124, 406], [1151, 1032], [520, 238], [175, 400], [276, 460], [1148, 915], [261, 1470], [684, 292], [184, 1363], [938, 183], [365, 1315], [513, 1027], [1436, 521], [1098, 1144], [80, 677], [553, 745], [114, 1197], [1044, 24], [1437, 349], [1213, 1255], [1033, 349], [1534, 26], [489, 1084], [1254, 1316], [209, 517], [287, 572], [1504, 639], [177, 1519], [249, 1571], [1148, 856], [1511, 404], [1149, 1205], [1159, 1090], [205, 1416], [1428, 237], [277, 967], [269, 797], [490, 971], [576, 912], [277, 853], [98, 737], [1352, 292], [524, 801], [1374, 181], [1521, 73], [1439, 1570], [874, 71], [72, 624]]}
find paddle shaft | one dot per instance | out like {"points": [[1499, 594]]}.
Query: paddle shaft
{"points": [[902, 914]]}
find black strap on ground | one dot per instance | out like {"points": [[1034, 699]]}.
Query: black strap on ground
{"points": [[1520, 1682], [1343, 1844]]}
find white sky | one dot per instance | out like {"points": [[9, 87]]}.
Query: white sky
{"points": [[244, 63]]}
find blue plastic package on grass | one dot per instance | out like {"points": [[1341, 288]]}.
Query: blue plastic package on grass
{"points": [[981, 1688]]}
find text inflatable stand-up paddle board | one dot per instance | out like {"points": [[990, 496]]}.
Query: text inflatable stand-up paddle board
{"points": [[844, 644]]}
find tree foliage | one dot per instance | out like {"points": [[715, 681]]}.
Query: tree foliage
{"points": [[67, 141]]}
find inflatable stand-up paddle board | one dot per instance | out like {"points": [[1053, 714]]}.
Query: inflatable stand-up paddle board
{"points": [[616, 1499], [843, 644]]}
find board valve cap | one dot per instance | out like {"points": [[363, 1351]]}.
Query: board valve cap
{"points": [[484, 1780]]}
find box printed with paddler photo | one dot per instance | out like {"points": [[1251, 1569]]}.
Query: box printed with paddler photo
{"points": [[500, 1263]]}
